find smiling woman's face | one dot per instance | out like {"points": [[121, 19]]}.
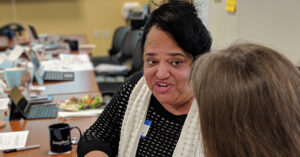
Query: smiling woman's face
{"points": [[167, 68]]}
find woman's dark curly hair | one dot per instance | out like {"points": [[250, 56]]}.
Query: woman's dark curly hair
{"points": [[180, 20]]}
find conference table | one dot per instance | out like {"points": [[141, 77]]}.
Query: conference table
{"points": [[84, 83]]}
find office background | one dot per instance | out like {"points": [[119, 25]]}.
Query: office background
{"points": [[89, 17], [272, 22]]}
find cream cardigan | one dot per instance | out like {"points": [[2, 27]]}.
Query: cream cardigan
{"points": [[189, 143]]}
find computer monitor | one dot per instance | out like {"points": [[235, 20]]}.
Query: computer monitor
{"points": [[21, 108], [38, 70], [33, 32], [41, 75], [50, 42]]}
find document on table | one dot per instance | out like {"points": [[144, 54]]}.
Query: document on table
{"points": [[4, 103], [15, 53], [69, 62], [103, 67], [38, 88], [9, 140], [86, 113]]}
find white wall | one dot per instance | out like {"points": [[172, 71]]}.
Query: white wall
{"points": [[223, 25], [202, 7], [274, 23]]}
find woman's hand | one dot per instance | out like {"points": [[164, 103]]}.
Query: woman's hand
{"points": [[96, 154]]}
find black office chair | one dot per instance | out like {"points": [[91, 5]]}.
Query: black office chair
{"points": [[137, 60], [10, 29], [125, 56], [118, 39], [129, 46], [130, 54]]}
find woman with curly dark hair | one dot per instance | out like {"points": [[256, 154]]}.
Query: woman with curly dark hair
{"points": [[153, 113]]}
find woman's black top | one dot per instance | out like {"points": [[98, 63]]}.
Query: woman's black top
{"points": [[104, 134]]}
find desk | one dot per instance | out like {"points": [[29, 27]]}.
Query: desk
{"points": [[84, 83], [39, 134]]}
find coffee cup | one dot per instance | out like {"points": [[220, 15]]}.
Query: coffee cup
{"points": [[73, 44], [60, 137]]}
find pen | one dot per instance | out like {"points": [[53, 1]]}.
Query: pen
{"points": [[20, 149]]}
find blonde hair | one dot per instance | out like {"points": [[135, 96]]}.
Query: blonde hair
{"points": [[249, 102]]}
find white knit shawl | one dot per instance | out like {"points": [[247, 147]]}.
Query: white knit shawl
{"points": [[189, 143]]}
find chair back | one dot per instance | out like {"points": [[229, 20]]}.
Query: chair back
{"points": [[137, 61], [129, 45], [11, 29], [118, 39]]}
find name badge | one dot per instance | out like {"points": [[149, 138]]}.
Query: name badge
{"points": [[146, 127]]}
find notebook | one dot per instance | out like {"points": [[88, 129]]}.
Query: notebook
{"points": [[28, 111], [42, 75]]}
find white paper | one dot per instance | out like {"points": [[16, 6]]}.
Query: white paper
{"points": [[4, 103], [6, 64], [39, 88], [9, 140], [15, 53], [71, 58], [86, 113], [87, 46], [69, 62], [110, 68], [2, 57]]}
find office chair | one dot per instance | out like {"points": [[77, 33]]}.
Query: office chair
{"points": [[125, 56], [118, 39], [129, 46], [137, 60], [131, 55], [10, 29]]}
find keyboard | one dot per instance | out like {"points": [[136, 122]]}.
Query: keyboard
{"points": [[43, 111], [58, 76]]}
